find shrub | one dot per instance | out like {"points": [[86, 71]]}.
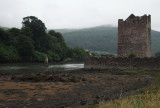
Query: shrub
{"points": [[78, 53], [39, 56], [132, 55], [8, 53], [25, 48], [134, 65]]}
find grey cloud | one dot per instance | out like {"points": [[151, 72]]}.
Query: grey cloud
{"points": [[76, 13]]}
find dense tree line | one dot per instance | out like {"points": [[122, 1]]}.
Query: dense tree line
{"points": [[32, 43]]}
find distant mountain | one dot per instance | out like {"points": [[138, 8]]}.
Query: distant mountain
{"points": [[65, 30], [155, 41], [101, 38], [5, 28]]}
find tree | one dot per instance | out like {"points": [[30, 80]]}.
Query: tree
{"points": [[27, 32], [4, 36], [57, 35], [25, 47], [59, 47], [78, 53], [39, 32], [14, 33], [8, 53], [34, 23]]}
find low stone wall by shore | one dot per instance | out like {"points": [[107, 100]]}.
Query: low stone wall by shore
{"points": [[108, 62]]}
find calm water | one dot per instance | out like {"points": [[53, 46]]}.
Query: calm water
{"points": [[37, 67]]}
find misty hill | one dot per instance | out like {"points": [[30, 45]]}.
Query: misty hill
{"points": [[65, 30], [5, 28], [100, 38]]}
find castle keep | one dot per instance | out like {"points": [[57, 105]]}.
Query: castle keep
{"points": [[134, 36]]}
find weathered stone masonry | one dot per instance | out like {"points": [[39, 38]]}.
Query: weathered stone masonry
{"points": [[121, 63], [134, 36]]}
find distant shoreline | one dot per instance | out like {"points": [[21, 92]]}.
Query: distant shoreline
{"points": [[53, 62]]}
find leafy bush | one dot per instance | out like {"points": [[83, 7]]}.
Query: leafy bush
{"points": [[39, 56], [25, 47], [132, 55], [78, 53], [8, 53], [134, 65]]}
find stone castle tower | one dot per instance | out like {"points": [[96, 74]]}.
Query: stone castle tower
{"points": [[134, 36]]}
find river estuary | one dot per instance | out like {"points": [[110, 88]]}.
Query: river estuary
{"points": [[37, 67]]}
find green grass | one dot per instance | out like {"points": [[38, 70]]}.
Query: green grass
{"points": [[147, 98]]}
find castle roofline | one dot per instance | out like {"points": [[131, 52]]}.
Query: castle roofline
{"points": [[133, 17]]}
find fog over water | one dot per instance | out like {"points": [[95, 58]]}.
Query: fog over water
{"points": [[58, 14]]}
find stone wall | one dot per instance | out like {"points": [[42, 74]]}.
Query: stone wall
{"points": [[134, 35], [107, 62]]}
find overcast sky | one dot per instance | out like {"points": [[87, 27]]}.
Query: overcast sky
{"points": [[77, 13]]}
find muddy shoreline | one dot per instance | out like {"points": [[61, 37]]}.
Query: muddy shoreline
{"points": [[68, 89]]}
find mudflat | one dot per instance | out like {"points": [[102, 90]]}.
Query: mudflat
{"points": [[68, 89]]}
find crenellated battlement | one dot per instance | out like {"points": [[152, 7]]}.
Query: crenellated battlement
{"points": [[135, 19]]}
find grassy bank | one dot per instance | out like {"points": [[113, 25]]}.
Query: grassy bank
{"points": [[147, 98]]}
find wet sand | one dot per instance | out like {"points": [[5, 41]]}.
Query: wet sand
{"points": [[74, 89]]}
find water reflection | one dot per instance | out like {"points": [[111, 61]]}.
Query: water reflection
{"points": [[38, 67]]}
